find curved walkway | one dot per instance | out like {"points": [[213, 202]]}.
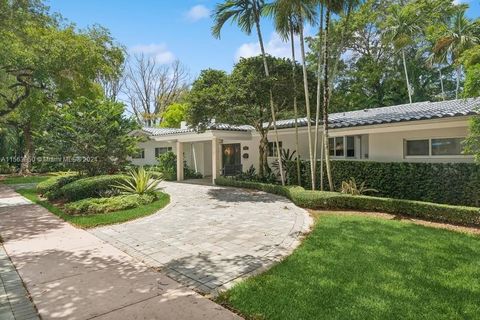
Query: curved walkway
{"points": [[210, 236]]}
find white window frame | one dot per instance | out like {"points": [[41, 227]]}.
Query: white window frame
{"points": [[344, 147], [430, 155]]}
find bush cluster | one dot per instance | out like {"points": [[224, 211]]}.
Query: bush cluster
{"points": [[167, 165], [50, 187], [449, 183], [337, 201], [105, 205], [92, 187]]}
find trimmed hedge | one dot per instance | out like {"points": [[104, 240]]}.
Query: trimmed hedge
{"points": [[105, 205], [92, 187], [450, 183], [53, 184], [461, 215]]}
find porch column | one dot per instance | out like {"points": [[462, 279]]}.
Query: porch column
{"points": [[216, 161], [179, 161]]}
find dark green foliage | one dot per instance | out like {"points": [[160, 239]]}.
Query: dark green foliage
{"points": [[252, 175], [450, 183], [92, 187], [51, 186], [92, 136], [167, 165], [333, 200], [104, 205]]}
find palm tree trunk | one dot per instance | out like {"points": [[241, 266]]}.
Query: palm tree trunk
{"points": [[319, 88], [295, 107], [272, 107], [326, 97], [459, 72], [441, 82], [406, 76], [307, 105]]}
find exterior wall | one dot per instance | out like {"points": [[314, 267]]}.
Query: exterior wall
{"points": [[149, 147], [390, 146], [379, 142], [385, 143]]}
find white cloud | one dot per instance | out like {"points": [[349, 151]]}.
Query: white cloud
{"points": [[197, 12], [275, 46], [457, 2], [159, 52]]}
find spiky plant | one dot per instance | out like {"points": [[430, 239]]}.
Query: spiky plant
{"points": [[351, 187], [140, 182]]}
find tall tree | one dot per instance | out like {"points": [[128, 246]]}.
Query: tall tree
{"points": [[454, 37], [289, 17], [401, 28], [150, 87], [247, 13]]}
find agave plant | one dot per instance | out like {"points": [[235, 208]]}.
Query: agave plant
{"points": [[351, 187], [140, 181]]}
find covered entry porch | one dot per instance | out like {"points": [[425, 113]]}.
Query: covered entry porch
{"points": [[211, 153]]}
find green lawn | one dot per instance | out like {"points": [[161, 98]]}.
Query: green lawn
{"points": [[353, 267], [27, 179], [96, 220]]}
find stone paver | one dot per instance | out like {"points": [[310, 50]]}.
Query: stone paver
{"points": [[209, 237], [14, 301], [71, 274]]}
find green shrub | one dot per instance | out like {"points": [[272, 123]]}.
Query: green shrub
{"points": [[450, 183], [167, 165], [92, 187], [53, 184], [338, 201], [104, 205]]}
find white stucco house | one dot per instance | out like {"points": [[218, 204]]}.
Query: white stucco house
{"points": [[418, 132]]}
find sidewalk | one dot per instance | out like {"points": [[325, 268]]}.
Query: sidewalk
{"points": [[71, 274]]}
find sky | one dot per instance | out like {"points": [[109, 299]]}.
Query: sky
{"points": [[178, 29]]}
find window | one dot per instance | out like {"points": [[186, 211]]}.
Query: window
{"points": [[272, 148], [417, 147], [345, 146], [336, 146], [434, 147], [447, 147], [162, 150], [350, 147], [140, 154]]}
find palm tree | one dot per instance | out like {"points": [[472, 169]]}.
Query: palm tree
{"points": [[401, 28], [246, 13], [331, 6], [289, 16], [454, 37]]}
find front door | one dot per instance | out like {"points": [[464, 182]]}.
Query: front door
{"points": [[231, 159]]}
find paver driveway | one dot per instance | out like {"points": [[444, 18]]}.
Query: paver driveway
{"points": [[210, 236]]}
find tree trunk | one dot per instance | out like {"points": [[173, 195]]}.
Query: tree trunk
{"points": [[406, 76], [441, 82], [295, 107], [307, 106], [459, 72], [25, 167], [263, 148], [326, 97], [272, 107], [319, 90]]}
